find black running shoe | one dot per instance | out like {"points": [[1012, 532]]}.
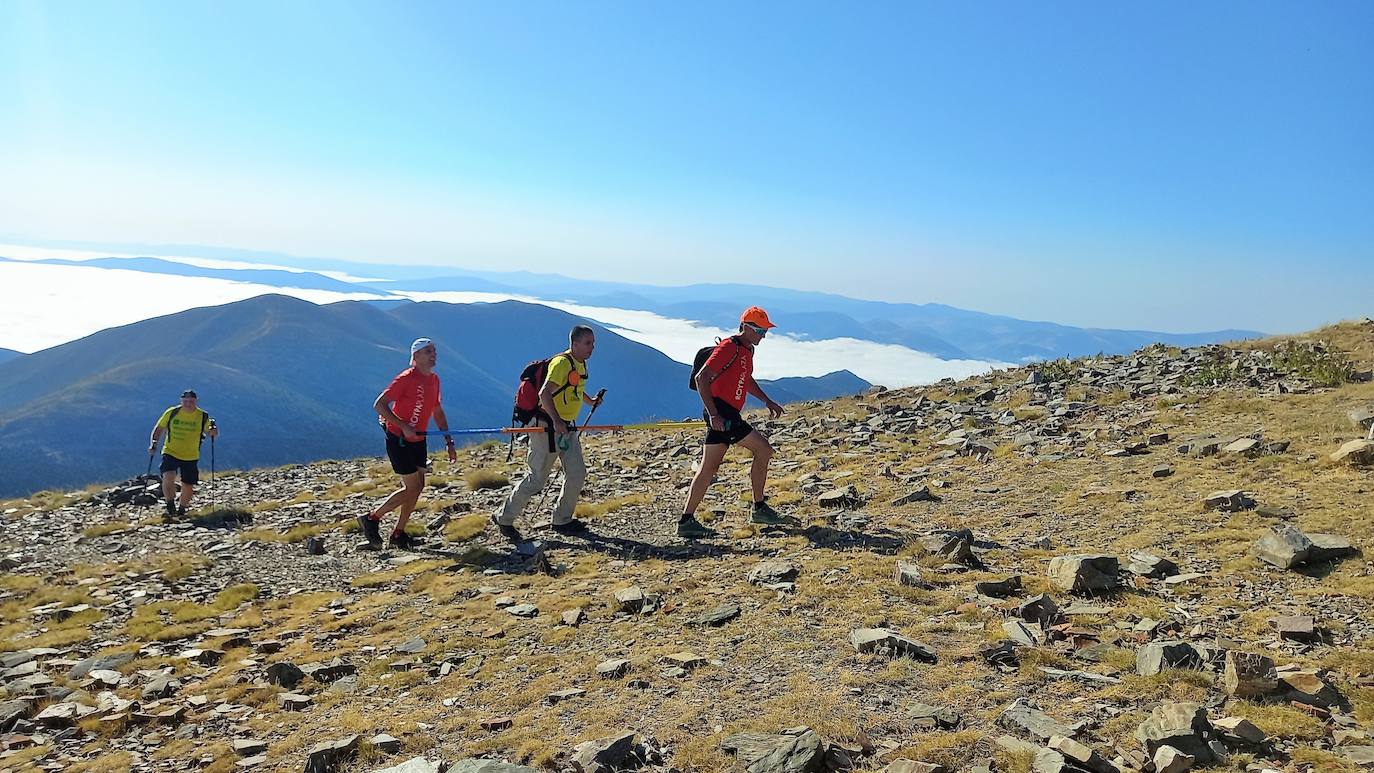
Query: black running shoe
{"points": [[693, 529], [181, 511], [507, 530], [766, 515], [372, 531], [403, 541], [571, 527]]}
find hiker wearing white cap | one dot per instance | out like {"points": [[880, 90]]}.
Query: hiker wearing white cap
{"points": [[404, 409]]}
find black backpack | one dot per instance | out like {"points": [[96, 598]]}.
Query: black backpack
{"points": [[704, 354]]}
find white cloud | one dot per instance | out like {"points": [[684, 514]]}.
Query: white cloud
{"points": [[49, 305], [778, 356]]}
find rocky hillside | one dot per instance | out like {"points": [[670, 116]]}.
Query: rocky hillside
{"points": [[1140, 563]]}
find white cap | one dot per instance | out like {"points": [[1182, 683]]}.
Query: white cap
{"points": [[419, 344]]}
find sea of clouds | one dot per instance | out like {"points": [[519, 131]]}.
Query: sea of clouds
{"points": [[47, 305]]}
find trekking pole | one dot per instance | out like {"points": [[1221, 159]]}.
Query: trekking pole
{"points": [[212, 467], [149, 472], [599, 397]]}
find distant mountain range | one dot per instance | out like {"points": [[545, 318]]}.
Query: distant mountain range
{"points": [[8, 354], [290, 381], [943, 331]]}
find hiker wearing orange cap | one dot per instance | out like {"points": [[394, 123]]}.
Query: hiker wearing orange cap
{"points": [[723, 382], [561, 398]]}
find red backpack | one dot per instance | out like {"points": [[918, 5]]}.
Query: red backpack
{"points": [[526, 408]]}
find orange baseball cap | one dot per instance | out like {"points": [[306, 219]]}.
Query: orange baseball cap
{"points": [[756, 316]]}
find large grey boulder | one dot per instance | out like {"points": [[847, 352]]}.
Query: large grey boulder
{"points": [[1084, 573], [1285, 547], [1154, 657], [1183, 726], [765, 753], [1229, 501]]}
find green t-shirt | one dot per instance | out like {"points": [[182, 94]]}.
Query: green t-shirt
{"points": [[183, 436], [569, 401]]}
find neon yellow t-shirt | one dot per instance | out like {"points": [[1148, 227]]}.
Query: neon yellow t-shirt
{"points": [[183, 437], [569, 401]]}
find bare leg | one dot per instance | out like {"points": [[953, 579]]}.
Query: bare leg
{"points": [[711, 457], [415, 481], [169, 486], [763, 454], [414, 485], [187, 490]]}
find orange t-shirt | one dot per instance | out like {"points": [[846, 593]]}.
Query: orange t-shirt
{"points": [[413, 397], [734, 364]]}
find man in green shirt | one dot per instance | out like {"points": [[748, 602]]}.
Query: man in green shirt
{"points": [[185, 425], [560, 399]]}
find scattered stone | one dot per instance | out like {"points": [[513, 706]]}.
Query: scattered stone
{"points": [[1000, 589], [1084, 573], [329, 756], [386, 743], [1288, 548], [489, 766], [1080, 755], [1023, 633], [1020, 717], [685, 660], [1231, 501], [1183, 726], [1039, 609], [415, 765], [1162, 471], [802, 752], [294, 701], [573, 617], [717, 617], [842, 499], [314, 546], [921, 494], [285, 674], [934, 717], [523, 610], [161, 687], [613, 669], [908, 575], [772, 572], [410, 646], [603, 755], [248, 747], [1167, 759], [1154, 657], [496, 724], [1309, 688], [559, 696], [954, 546], [1240, 730], [886, 642], [630, 600], [1150, 565], [1356, 452], [1294, 627], [1248, 675]]}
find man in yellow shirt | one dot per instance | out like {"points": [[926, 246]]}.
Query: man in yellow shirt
{"points": [[560, 399], [185, 425]]}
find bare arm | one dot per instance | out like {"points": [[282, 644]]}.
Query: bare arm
{"points": [[441, 421], [757, 391], [152, 441], [546, 402]]}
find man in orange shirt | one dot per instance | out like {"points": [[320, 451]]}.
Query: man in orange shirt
{"points": [[405, 408], [723, 382]]}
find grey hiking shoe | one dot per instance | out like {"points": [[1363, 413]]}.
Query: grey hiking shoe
{"points": [[371, 531], [766, 515], [693, 529]]}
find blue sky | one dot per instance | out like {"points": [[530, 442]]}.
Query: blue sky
{"points": [[1172, 166]]}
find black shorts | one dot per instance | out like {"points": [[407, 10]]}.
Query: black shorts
{"points": [[189, 471], [406, 457], [736, 428]]}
